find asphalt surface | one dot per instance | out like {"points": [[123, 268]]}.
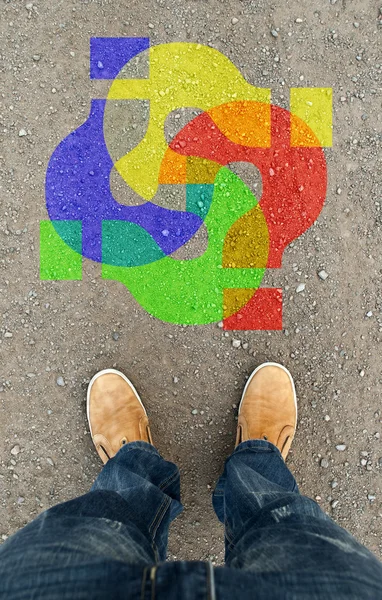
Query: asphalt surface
{"points": [[191, 377]]}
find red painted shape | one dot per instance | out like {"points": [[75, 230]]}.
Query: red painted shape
{"points": [[294, 178], [263, 311]]}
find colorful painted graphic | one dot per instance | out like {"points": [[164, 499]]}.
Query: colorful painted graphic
{"points": [[119, 192]]}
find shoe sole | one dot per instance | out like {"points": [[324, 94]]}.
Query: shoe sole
{"points": [[99, 374], [270, 364]]}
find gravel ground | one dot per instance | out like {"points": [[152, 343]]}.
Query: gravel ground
{"points": [[55, 335]]}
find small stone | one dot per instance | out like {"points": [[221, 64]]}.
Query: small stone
{"points": [[29, 6], [341, 447], [362, 373], [115, 336], [22, 133], [60, 381], [380, 461], [234, 20], [220, 324], [245, 346], [236, 343], [151, 26], [335, 503], [327, 418], [175, 379], [36, 57], [371, 497], [323, 275], [8, 334], [15, 450], [194, 411], [298, 20], [356, 25], [274, 33], [339, 191], [369, 313], [300, 288], [363, 462], [334, 484], [324, 463], [50, 462]]}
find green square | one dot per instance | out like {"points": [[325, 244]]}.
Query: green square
{"points": [[60, 250]]}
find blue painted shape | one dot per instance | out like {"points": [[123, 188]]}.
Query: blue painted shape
{"points": [[108, 55], [199, 198], [77, 187]]}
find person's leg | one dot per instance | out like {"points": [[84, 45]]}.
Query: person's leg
{"points": [[270, 527], [79, 548]]}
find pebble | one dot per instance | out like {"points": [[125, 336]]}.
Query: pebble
{"points": [[60, 381], [36, 57], [194, 411], [115, 336], [341, 447], [334, 484], [298, 20], [362, 373], [175, 379], [323, 275], [20, 500], [324, 463], [50, 462], [369, 313], [371, 497], [22, 133], [334, 503], [300, 288], [274, 33], [15, 450], [236, 343], [234, 20]]}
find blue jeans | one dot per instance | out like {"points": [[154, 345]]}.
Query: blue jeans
{"points": [[111, 543]]}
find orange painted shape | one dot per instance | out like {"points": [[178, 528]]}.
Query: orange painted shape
{"points": [[173, 168], [301, 135], [244, 122], [201, 170], [262, 312], [234, 299]]}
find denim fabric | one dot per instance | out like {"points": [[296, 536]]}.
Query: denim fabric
{"points": [[111, 542]]}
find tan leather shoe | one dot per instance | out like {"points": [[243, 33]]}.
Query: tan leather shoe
{"points": [[115, 412], [268, 407]]}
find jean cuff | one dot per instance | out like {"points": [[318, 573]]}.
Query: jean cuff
{"points": [[139, 445], [257, 445]]}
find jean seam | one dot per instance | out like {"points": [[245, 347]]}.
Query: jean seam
{"points": [[159, 515], [164, 484]]}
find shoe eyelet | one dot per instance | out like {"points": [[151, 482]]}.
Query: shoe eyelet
{"points": [[265, 438]]}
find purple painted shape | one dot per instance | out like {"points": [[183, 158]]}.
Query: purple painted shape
{"points": [[109, 55], [77, 188]]}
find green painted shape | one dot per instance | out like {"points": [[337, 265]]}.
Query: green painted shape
{"points": [[60, 250], [126, 244], [199, 198], [190, 292]]}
